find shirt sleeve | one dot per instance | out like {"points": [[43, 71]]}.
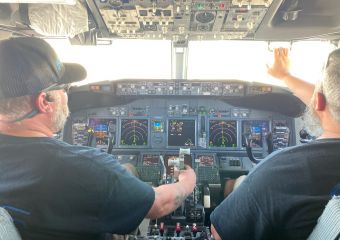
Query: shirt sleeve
{"points": [[240, 216], [94, 193], [128, 201]]}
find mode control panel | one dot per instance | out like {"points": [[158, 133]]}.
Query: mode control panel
{"points": [[188, 88]]}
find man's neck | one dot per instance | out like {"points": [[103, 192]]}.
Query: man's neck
{"points": [[329, 134], [330, 127], [26, 128]]}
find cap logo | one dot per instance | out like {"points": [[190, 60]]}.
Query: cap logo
{"points": [[58, 65]]}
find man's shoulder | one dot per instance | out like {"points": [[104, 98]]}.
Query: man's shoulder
{"points": [[76, 149], [82, 154], [331, 147], [298, 159]]}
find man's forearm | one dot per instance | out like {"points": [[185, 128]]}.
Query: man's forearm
{"points": [[214, 233], [168, 198], [302, 89]]}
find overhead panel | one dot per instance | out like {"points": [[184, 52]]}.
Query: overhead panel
{"points": [[183, 20]]}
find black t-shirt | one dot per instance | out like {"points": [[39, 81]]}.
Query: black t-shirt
{"points": [[54, 190], [283, 197]]}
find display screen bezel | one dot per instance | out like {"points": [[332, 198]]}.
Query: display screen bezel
{"points": [[104, 118], [133, 146], [250, 120], [223, 119], [168, 132]]}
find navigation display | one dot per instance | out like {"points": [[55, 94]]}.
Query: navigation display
{"points": [[222, 133], [181, 133], [256, 131], [150, 160], [104, 130], [134, 132]]}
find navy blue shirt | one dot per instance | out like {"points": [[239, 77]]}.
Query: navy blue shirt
{"points": [[54, 190], [283, 197]]}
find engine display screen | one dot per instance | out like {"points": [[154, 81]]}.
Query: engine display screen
{"points": [[222, 133], [150, 160], [256, 131], [104, 129], [181, 133], [205, 160], [134, 132]]}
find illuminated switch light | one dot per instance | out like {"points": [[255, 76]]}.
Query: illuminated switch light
{"points": [[240, 3], [164, 30], [250, 25], [266, 3], [181, 29]]}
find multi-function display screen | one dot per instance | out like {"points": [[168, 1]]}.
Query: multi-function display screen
{"points": [[104, 130], [205, 160], [222, 133], [150, 160], [181, 133], [256, 131], [134, 132]]}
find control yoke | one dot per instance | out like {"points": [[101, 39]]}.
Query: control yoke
{"points": [[268, 143]]}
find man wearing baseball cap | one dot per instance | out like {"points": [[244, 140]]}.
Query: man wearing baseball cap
{"points": [[54, 190]]}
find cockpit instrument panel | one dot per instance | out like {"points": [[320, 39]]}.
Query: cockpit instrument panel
{"points": [[256, 131], [134, 132], [181, 132], [159, 126], [223, 133], [104, 130]]}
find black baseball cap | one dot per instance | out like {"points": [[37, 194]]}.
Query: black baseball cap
{"points": [[30, 65]]}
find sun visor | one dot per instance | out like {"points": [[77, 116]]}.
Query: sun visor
{"points": [[57, 19]]}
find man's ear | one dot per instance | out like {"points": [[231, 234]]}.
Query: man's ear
{"points": [[42, 103], [320, 102]]}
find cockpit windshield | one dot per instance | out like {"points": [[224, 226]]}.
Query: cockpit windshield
{"points": [[207, 60]]}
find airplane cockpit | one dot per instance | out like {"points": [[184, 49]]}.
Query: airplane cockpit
{"points": [[221, 126], [221, 129]]}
